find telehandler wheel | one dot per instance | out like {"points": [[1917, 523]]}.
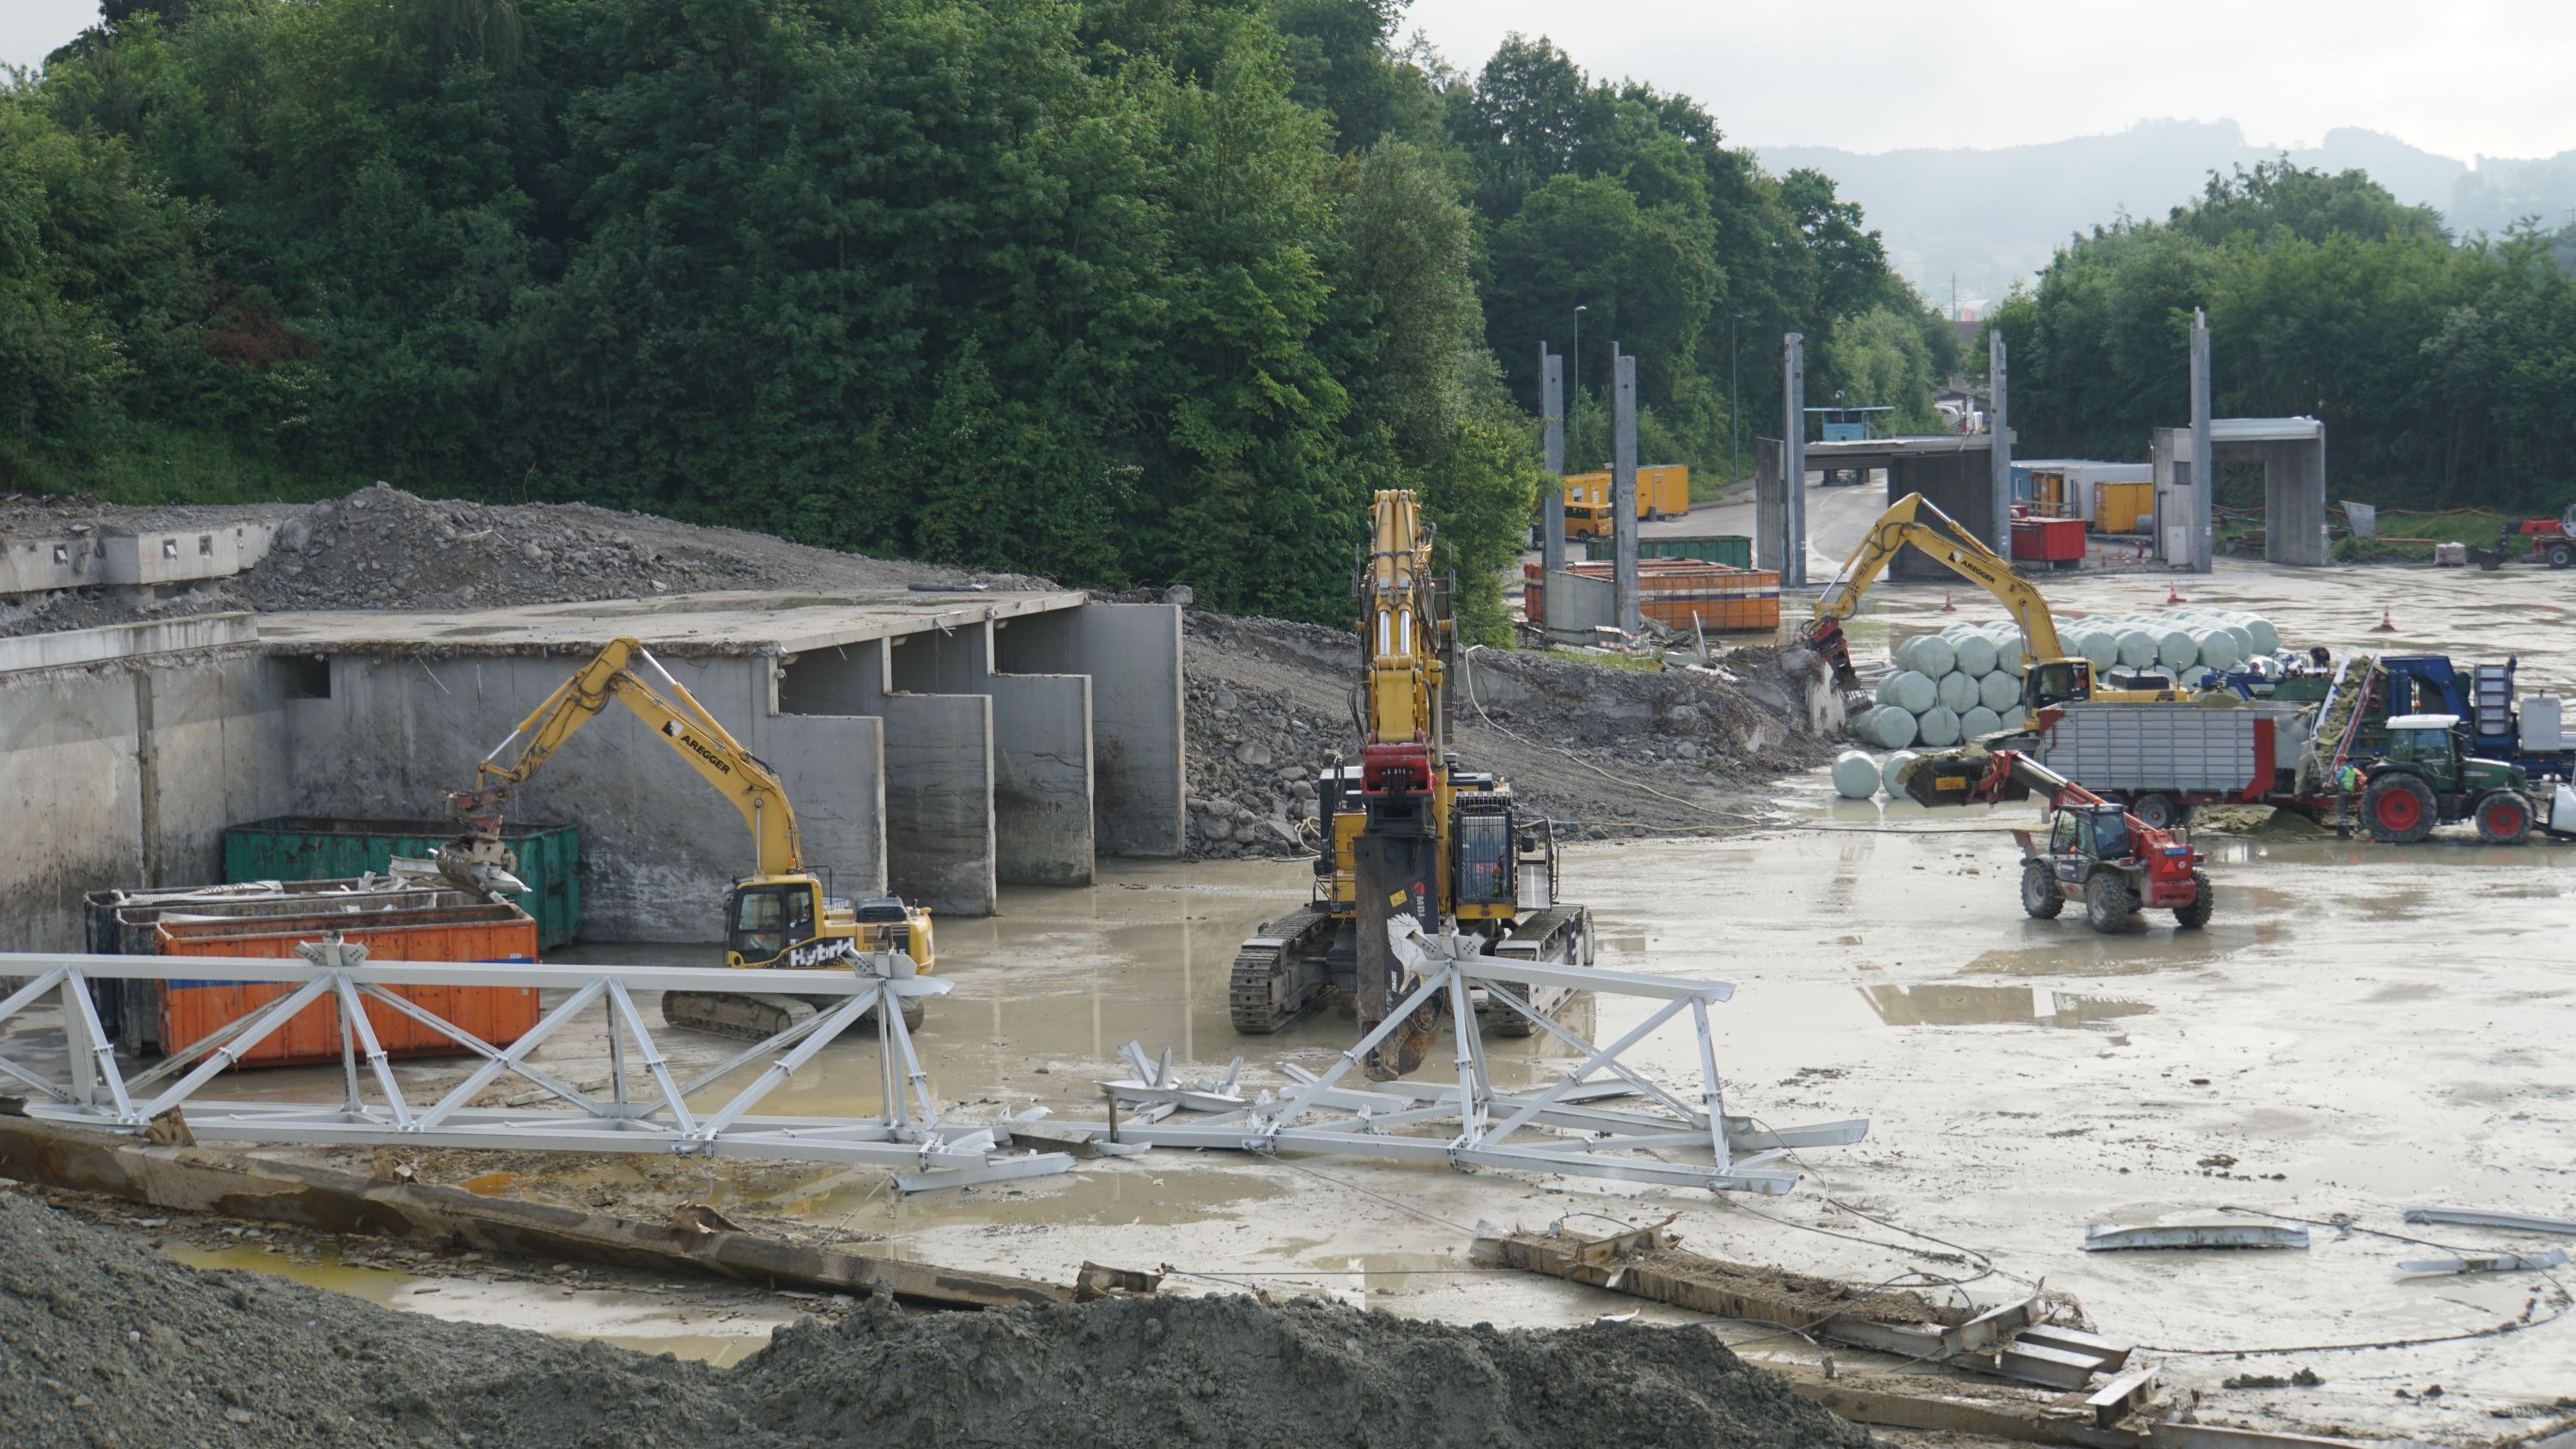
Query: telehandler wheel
{"points": [[2398, 808], [2196, 915], [2039, 893], [2504, 818], [2108, 904], [2561, 555]]}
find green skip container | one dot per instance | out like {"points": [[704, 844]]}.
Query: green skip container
{"points": [[311, 847], [1731, 549]]}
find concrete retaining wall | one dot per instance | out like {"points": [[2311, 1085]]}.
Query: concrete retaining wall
{"points": [[126, 776]]}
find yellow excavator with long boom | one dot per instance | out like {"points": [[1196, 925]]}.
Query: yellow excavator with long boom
{"points": [[777, 916], [2052, 676], [1407, 832]]}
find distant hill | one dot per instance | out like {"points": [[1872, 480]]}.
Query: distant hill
{"points": [[1993, 216]]}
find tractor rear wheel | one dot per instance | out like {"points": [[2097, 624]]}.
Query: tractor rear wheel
{"points": [[2160, 812], [2561, 555], [2399, 809], [2039, 893], [2108, 902], [2504, 818], [2196, 915]]}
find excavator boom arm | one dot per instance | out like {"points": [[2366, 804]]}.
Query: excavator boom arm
{"points": [[677, 719], [1914, 520]]}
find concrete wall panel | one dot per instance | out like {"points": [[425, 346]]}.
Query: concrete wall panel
{"points": [[218, 758], [939, 801], [67, 758], [1133, 654]]}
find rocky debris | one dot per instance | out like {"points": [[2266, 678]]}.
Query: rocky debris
{"points": [[1269, 705], [104, 1344]]}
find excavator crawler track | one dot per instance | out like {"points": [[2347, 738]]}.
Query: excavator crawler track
{"points": [[747, 1016], [1272, 983]]}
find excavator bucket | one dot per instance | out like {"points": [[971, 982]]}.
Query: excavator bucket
{"points": [[1956, 778]]}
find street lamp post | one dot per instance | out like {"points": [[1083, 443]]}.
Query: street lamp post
{"points": [[1574, 401]]}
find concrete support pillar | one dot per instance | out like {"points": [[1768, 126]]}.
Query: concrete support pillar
{"points": [[1133, 654], [2204, 470], [1623, 486], [1997, 370], [1793, 462], [1770, 522], [1551, 524]]}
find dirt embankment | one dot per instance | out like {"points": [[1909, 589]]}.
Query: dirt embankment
{"points": [[102, 1343], [1608, 751]]}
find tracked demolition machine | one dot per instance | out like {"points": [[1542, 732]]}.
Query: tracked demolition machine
{"points": [[778, 916], [1407, 832], [2097, 853]]}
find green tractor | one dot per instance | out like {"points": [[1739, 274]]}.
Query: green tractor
{"points": [[2423, 781]]}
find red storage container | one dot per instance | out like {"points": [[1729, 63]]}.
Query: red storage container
{"points": [[2048, 540]]}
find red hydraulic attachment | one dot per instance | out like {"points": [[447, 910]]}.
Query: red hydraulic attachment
{"points": [[1402, 769], [2169, 860]]}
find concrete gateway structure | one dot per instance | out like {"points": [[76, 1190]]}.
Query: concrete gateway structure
{"points": [[938, 745]]}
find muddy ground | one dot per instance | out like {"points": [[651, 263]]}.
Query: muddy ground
{"points": [[101, 1346]]}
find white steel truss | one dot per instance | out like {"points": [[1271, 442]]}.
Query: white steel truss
{"points": [[96, 1090], [1471, 1124]]}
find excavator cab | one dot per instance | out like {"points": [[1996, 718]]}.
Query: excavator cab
{"points": [[2056, 681], [766, 920]]}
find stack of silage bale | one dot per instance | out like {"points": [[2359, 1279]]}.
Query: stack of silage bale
{"points": [[1965, 681]]}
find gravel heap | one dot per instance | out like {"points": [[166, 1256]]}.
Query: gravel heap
{"points": [[102, 1343], [382, 548]]}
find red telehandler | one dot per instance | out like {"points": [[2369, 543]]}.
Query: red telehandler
{"points": [[2096, 852]]}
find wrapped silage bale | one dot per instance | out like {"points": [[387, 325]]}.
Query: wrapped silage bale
{"points": [[1998, 691], [1912, 691], [1891, 776], [2098, 645], [2175, 648], [1976, 651], [2197, 676], [1891, 726], [2244, 638], [2266, 638], [1979, 722], [1958, 692], [2218, 649], [2137, 646], [2010, 652], [1930, 654], [1883, 691], [2013, 718], [1855, 775], [1938, 727]]}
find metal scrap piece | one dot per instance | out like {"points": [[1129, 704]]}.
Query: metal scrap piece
{"points": [[2195, 1235], [2483, 1218], [2490, 1263]]}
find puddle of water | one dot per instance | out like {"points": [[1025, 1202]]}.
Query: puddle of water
{"points": [[1945, 1004], [641, 1321]]}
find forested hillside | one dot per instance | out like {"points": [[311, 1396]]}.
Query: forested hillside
{"points": [[2444, 372], [1120, 291]]}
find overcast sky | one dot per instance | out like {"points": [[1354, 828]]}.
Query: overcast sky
{"points": [[2459, 77]]}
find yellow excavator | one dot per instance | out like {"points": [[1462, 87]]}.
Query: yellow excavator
{"points": [[1407, 832], [2052, 677], [778, 916]]}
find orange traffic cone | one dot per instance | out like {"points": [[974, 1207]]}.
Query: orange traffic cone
{"points": [[2383, 626], [2173, 594], [1946, 606]]}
